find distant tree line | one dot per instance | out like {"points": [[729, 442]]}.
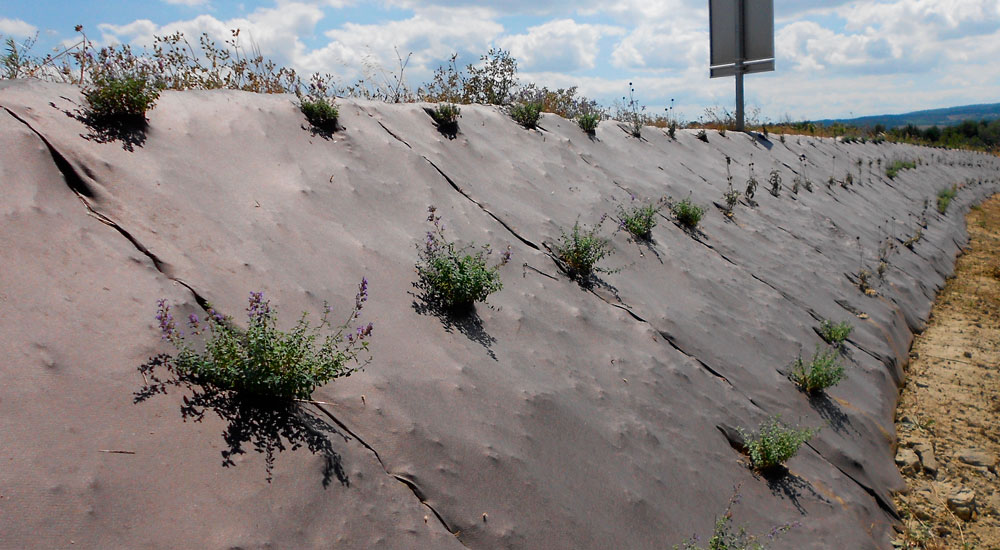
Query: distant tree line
{"points": [[984, 134]]}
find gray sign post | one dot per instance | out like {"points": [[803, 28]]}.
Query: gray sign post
{"points": [[742, 41]]}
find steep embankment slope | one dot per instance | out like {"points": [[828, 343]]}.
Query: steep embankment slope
{"points": [[558, 418]]}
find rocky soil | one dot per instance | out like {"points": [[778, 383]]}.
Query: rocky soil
{"points": [[947, 415]]}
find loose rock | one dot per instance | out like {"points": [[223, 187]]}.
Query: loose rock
{"points": [[977, 457], [908, 461], [962, 502], [926, 452]]}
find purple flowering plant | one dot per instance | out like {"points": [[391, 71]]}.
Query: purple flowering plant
{"points": [[262, 360], [456, 277]]}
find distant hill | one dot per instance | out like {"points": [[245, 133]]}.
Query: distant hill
{"points": [[933, 117]]}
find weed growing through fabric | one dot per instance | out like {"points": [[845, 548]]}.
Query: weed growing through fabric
{"points": [[751, 189], [702, 135], [588, 122], [893, 169], [263, 360], [864, 282], [944, 198], [822, 372], [774, 443], [774, 180], [639, 220], [730, 196], [454, 277], [318, 109], [580, 249], [725, 536], [527, 114], [446, 113], [631, 113], [120, 98], [687, 213], [914, 239], [835, 333]]}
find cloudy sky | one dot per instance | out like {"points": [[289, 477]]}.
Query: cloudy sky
{"points": [[834, 58]]}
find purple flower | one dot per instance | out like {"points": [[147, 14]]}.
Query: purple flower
{"points": [[168, 329], [259, 307]]}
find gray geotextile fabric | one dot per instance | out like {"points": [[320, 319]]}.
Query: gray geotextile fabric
{"points": [[555, 416]]}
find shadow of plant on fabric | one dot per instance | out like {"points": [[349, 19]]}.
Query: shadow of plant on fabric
{"points": [[257, 378], [265, 425]]}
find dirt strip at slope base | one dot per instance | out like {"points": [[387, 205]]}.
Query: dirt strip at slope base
{"points": [[947, 413]]}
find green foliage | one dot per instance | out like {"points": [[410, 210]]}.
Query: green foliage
{"points": [[17, 62], [893, 169], [581, 249], [640, 220], [446, 113], [526, 114], [454, 277], [835, 333], [727, 537], [687, 213], [944, 198], [120, 98], [588, 122], [774, 443], [320, 112], [732, 198], [263, 360], [822, 372]]}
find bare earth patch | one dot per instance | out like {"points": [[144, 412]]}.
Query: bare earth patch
{"points": [[948, 417]]}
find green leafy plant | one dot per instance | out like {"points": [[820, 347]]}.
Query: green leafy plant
{"points": [[124, 98], [834, 333], [263, 360], [944, 198], [640, 220], [774, 180], [894, 168], [526, 114], [588, 122], [446, 113], [580, 249], [453, 277], [822, 372], [774, 443], [631, 113], [687, 213], [320, 112]]}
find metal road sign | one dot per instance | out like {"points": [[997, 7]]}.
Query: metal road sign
{"points": [[742, 41]]}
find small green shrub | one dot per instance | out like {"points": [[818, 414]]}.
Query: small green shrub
{"points": [[639, 221], [263, 360], [822, 372], [120, 98], [687, 213], [834, 333], [581, 249], [944, 198], [527, 114], [453, 277], [893, 169], [446, 114], [320, 112], [774, 443], [588, 122]]}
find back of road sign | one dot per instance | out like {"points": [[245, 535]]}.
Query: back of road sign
{"points": [[755, 26]]}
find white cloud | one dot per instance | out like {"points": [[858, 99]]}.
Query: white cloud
{"points": [[16, 28], [191, 3], [560, 45]]}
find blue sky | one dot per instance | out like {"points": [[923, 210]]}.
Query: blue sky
{"points": [[834, 58]]}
